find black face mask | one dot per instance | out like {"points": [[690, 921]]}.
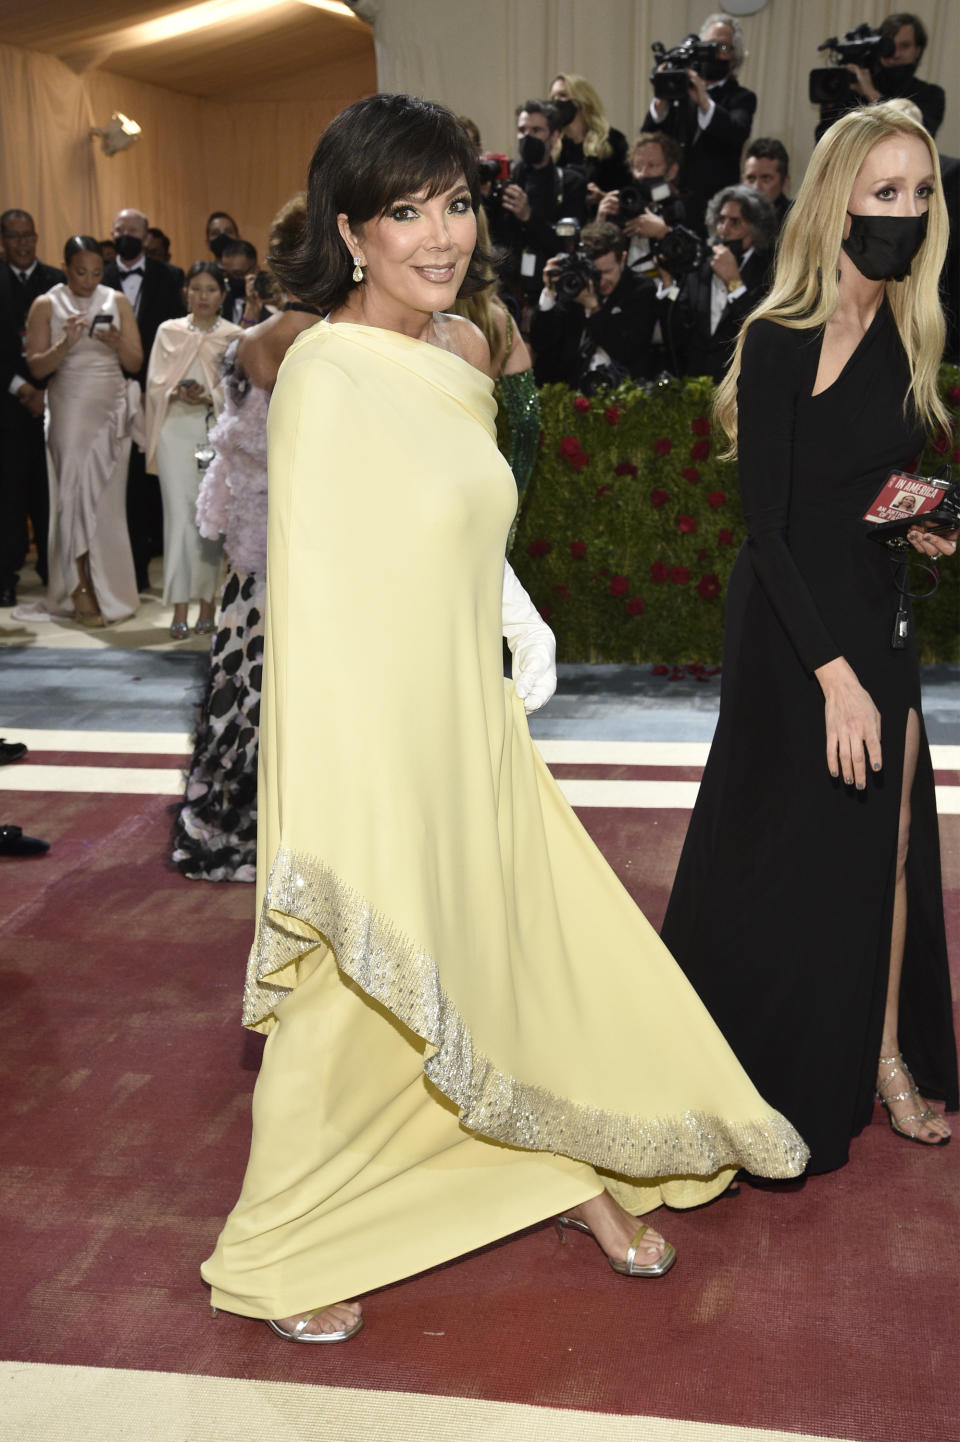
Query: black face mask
{"points": [[236, 288], [882, 246], [219, 244], [532, 150], [894, 79], [735, 248], [128, 247]]}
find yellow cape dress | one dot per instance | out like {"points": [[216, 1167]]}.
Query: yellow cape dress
{"points": [[471, 1025]]}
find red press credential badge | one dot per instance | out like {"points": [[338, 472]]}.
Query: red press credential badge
{"points": [[903, 497]]}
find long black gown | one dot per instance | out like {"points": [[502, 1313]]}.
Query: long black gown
{"points": [[782, 907]]}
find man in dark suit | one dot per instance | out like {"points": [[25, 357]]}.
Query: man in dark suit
{"points": [[241, 305], [701, 317], [155, 291], [712, 122], [23, 464], [605, 332]]}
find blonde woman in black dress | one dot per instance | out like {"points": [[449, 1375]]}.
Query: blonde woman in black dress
{"points": [[807, 908]]}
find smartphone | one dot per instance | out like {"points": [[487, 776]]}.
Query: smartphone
{"points": [[100, 320]]}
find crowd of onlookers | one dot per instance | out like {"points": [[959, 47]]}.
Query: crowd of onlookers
{"points": [[120, 348], [634, 259], [612, 260]]}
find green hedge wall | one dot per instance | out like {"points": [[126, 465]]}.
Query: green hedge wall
{"points": [[631, 524]]}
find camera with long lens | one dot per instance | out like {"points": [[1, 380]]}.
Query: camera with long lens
{"points": [[576, 269], [650, 193], [679, 252], [701, 56], [832, 85]]}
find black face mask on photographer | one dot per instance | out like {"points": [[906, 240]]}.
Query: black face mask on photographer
{"points": [[129, 247], [894, 79], [736, 248], [882, 246], [532, 150], [236, 286]]}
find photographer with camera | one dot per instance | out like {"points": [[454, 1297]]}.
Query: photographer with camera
{"points": [[766, 167], [701, 316], [594, 321], [698, 101], [523, 211], [880, 65], [650, 205]]}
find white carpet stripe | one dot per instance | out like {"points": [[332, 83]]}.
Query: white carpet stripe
{"points": [[168, 781], [94, 1404], [554, 751]]}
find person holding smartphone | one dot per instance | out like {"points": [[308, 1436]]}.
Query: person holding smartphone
{"points": [[183, 397], [83, 336]]}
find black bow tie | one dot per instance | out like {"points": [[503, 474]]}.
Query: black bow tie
{"points": [[137, 270]]}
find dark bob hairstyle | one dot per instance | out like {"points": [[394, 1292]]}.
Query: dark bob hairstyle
{"points": [[377, 151], [206, 267], [77, 244]]}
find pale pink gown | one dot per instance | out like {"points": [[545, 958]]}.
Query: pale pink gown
{"points": [[92, 410]]}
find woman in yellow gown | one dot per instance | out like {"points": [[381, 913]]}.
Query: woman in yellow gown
{"points": [[471, 1026]]}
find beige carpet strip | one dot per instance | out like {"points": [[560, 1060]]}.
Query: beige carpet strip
{"points": [[93, 1404]]}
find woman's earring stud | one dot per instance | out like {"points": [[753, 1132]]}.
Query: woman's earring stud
{"points": [[357, 269]]}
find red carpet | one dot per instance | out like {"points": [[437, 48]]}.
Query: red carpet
{"points": [[126, 1080]]}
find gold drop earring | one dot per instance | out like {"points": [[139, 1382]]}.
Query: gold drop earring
{"points": [[357, 269]]}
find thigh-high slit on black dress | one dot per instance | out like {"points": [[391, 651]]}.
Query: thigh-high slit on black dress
{"points": [[781, 911]]}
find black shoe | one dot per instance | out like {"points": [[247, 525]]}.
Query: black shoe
{"points": [[11, 751], [14, 843], [8, 594]]}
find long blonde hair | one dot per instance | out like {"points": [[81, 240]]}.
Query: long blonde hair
{"points": [[596, 139], [805, 294]]}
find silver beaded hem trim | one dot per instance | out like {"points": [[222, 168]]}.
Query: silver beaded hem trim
{"points": [[399, 974]]}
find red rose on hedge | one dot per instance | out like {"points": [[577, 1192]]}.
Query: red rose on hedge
{"points": [[687, 525], [635, 606], [612, 416], [953, 395], [708, 587], [602, 491], [562, 591], [659, 571], [703, 556], [663, 446], [539, 547], [544, 612], [942, 444], [660, 671], [700, 450], [659, 498], [581, 404], [716, 499], [680, 576], [700, 426], [578, 549], [724, 538], [573, 453], [619, 585], [691, 474], [625, 469]]}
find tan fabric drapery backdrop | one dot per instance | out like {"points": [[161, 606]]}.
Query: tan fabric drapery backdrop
{"points": [[482, 60], [194, 156]]}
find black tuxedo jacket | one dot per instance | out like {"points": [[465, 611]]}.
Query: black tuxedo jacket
{"points": [[711, 156], [15, 301], [161, 298], [565, 337], [686, 321]]}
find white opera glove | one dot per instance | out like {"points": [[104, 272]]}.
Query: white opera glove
{"points": [[532, 645]]}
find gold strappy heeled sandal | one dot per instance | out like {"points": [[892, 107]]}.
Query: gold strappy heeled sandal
{"points": [[629, 1267], [922, 1116]]}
